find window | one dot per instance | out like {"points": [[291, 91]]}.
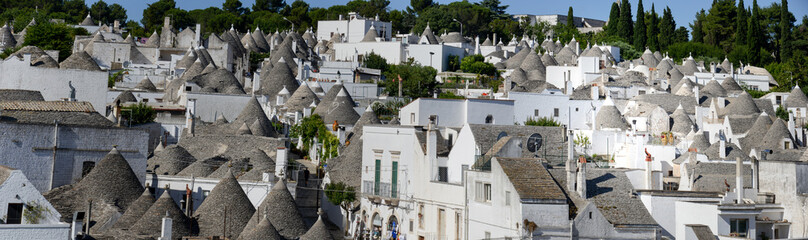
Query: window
{"points": [[555, 112], [434, 117], [443, 174], [421, 216], [642, 92], [778, 100], [576, 109], [86, 167], [489, 119], [787, 145], [411, 225], [394, 181], [412, 118], [590, 215], [188, 88], [536, 112], [377, 177], [14, 215], [507, 198], [738, 227], [482, 192], [487, 235]]}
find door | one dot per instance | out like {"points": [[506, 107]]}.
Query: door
{"points": [[442, 224]]}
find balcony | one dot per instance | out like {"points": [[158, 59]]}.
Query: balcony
{"points": [[384, 192]]}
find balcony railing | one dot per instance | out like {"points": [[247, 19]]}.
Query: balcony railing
{"points": [[384, 190]]}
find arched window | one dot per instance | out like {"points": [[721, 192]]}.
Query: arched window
{"points": [[489, 119], [86, 167]]}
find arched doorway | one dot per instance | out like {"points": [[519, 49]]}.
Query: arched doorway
{"points": [[392, 228], [376, 226]]}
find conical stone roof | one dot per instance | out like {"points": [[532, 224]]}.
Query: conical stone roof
{"points": [[279, 77], [714, 89], [80, 60], [689, 67], [88, 21], [371, 35], [282, 212], [742, 105], [566, 57], [796, 99], [608, 117], [329, 97], [263, 231], [516, 60], [302, 98], [172, 160], [340, 110], [7, 38], [368, 117], [35, 52], [681, 122], [518, 76], [154, 40], [777, 132], [318, 231], [226, 200], [45, 61], [135, 211], [700, 142], [130, 40], [261, 163], [730, 84], [203, 168], [125, 97], [548, 60], [532, 62], [754, 136], [146, 84], [151, 222], [429, 36]]}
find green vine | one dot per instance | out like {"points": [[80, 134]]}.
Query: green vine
{"points": [[34, 213]]}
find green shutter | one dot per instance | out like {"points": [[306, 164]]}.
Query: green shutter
{"points": [[394, 182], [376, 183]]}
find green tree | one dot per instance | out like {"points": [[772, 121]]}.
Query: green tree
{"points": [[342, 195], [719, 24], [99, 11], [667, 29], [268, 5], [781, 113], [476, 64], [697, 27], [786, 23], [496, 8], [420, 5], [640, 29], [154, 13], [234, 6], [741, 23], [139, 114], [454, 63], [614, 20], [75, 10], [375, 61], [417, 81], [402, 20], [53, 36], [135, 29], [653, 30], [542, 121], [680, 35], [311, 127], [626, 26], [753, 39], [570, 18]]}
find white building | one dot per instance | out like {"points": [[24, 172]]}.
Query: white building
{"points": [[26, 213], [354, 28], [457, 112]]}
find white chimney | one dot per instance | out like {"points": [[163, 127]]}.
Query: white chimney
{"points": [[649, 178], [190, 113], [722, 147], [570, 166], [341, 135], [432, 140], [595, 92], [280, 162], [166, 228], [581, 183], [696, 93], [197, 38], [739, 179]]}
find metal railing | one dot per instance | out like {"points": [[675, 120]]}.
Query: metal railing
{"points": [[384, 190]]}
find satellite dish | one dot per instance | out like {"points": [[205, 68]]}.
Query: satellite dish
{"points": [[502, 135], [534, 142]]}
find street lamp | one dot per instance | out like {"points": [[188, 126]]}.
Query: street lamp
{"points": [[430, 58], [293, 24], [461, 26]]}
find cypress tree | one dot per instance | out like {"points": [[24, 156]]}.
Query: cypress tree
{"points": [[785, 32], [697, 27], [653, 30], [667, 29], [626, 30], [614, 20], [741, 22], [753, 36], [570, 19], [640, 28]]}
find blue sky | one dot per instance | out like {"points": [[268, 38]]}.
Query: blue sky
{"points": [[683, 10]]}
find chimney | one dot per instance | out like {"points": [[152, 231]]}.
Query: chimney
{"points": [[166, 228], [649, 178], [756, 169], [696, 93], [116, 25], [432, 139], [167, 22], [570, 166], [280, 162], [341, 135], [739, 179], [722, 147], [580, 185], [595, 92], [791, 124], [712, 68], [190, 113], [495, 39], [197, 38]]}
